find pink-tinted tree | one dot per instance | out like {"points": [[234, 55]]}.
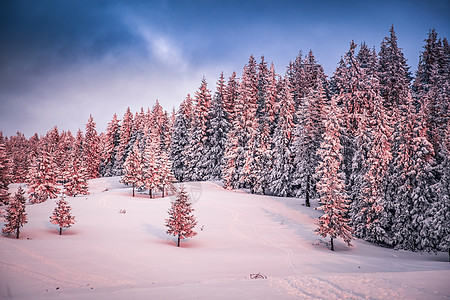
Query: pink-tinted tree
{"points": [[333, 199], [133, 168], [15, 214], [61, 215], [181, 221]]}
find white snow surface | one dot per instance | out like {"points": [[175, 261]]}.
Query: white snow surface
{"points": [[113, 255]]}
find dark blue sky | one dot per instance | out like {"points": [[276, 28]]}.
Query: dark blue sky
{"points": [[63, 60]]}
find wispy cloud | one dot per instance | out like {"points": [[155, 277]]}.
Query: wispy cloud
{"points": [[161, 47]]}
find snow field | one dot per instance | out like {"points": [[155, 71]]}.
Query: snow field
{"points": [[113, 255]]}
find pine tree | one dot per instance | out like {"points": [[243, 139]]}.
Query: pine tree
{"points": [[218, 133], [199, 141], [439, 212], [76, 177], [166, 178], [181, 221], [19, 149], [16, 216], [133, 168], [241, 139], [160, 119], [42, 178], [308, 136], [393, 73], [109, 153], [125, 136], [62, 215], [331, 185], [180, 139], [91, 151], [4, 172], [367, 210], [229, 97], [151, 167], [283, 156]]}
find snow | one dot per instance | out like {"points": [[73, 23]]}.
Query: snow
{"points": [[113, 255]]}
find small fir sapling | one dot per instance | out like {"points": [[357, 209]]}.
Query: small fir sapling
{"points": [[16, 216], [61, 215], [181, 221]]}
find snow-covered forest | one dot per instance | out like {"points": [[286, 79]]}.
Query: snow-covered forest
{"points": [[370, 144]]}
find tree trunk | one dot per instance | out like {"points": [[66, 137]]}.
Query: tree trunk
{"points": [[163, 191], [307, 203], [17, 233], [332, 245], [150, 193], [133, 190], [178, 242], [60, 230], [263, 191]]}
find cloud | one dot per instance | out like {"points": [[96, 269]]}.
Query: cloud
{"points": [[159, 46]]}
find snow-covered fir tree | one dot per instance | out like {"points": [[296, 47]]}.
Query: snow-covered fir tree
{"points": [[4, 172], [111, 146], [42, 177], [331, 184], [152, 179], [199, 140], [283, 155], [19, 150], [181, 220], [125, 136], [218, 132], [180, 139], [393, 73], [76, 177], [368, 209], [62, 215], [91, 151], [258, 160], [133, 168], [164, 172], [16, 216], [307, 139], [241, 138]]}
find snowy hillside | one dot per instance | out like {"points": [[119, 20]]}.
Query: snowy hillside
{"points": [[113, 255]]}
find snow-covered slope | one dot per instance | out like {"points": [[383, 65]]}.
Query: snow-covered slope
{"points": [[113, 255]]}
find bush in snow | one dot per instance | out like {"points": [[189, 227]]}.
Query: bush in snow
{"points": [[61, 215], [181, 221]]}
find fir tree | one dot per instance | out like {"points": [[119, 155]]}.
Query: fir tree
{"points": [[15, 214], [199, 141], [308, 136], [241, 139], [125, 136], [76, 177], [283, 156], [111, 146], [91, 151], [4, 172], [166, 178], [393, 73], [331, 187], [62, 215], [180, 139], [152, 178], [181, 221], [42, 178], [133, 166], [19, 149], [218, 133]]}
